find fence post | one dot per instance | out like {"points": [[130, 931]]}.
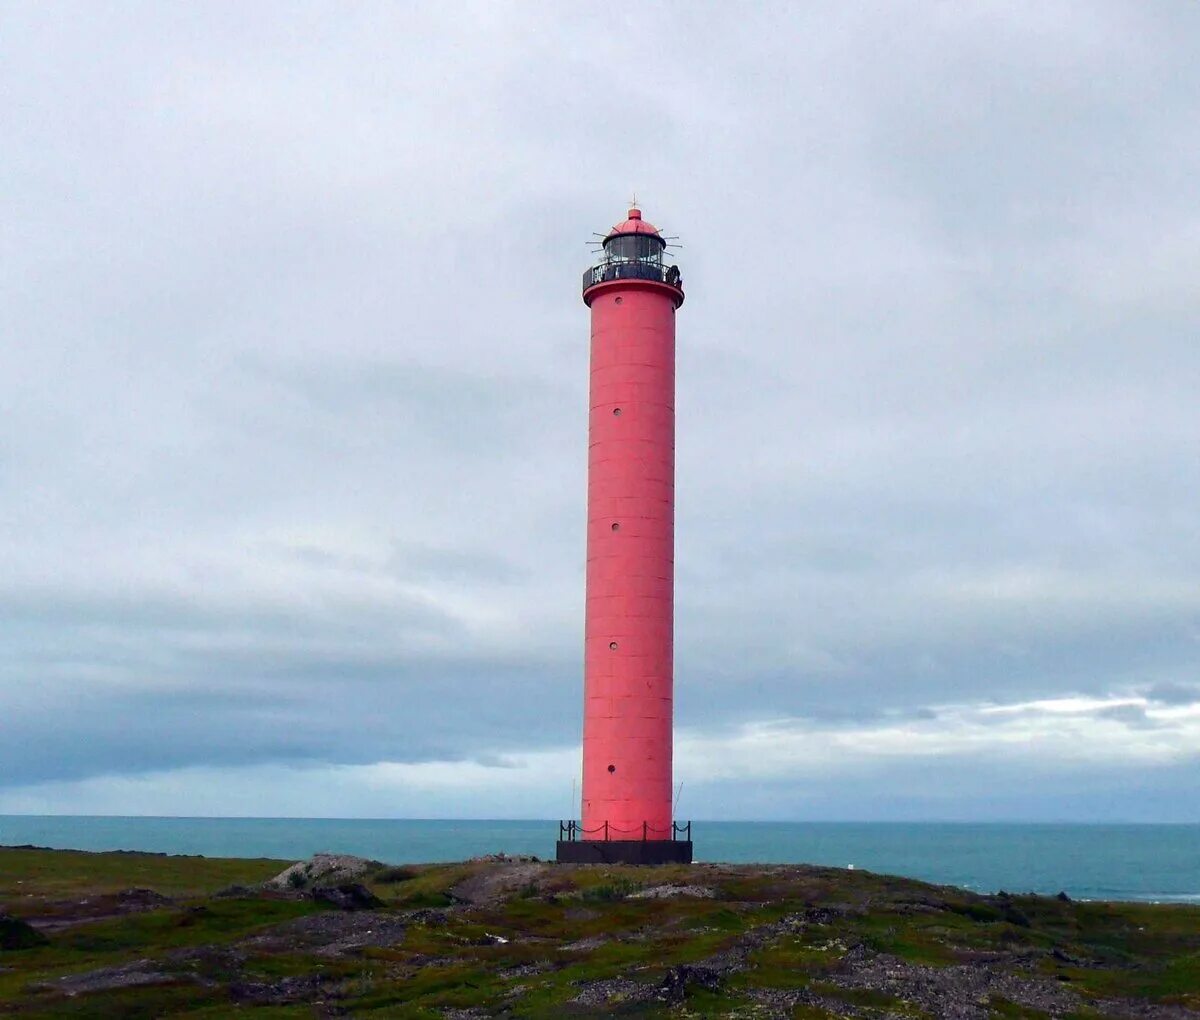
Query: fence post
{"points": [[606, 832], [644, 824]]}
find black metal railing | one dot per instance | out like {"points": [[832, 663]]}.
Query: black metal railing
{"points": [[571, 831], [606, 272]]}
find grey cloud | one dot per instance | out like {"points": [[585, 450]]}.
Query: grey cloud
{"points": [[1174, 693], [295, 368], [310, 711], [1131, 715]]}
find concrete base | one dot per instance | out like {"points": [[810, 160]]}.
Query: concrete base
{"points": [[624, 851]]}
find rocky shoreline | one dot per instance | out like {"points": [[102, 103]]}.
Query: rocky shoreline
{"points": [[503, 937]]}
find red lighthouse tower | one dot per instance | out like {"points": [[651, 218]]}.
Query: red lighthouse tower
{"points": [[633, 295]]}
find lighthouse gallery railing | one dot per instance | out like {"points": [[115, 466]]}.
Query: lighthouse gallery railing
{"points": [[606, 272]]}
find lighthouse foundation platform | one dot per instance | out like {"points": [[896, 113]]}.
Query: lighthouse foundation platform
{"points": [[624, 851], [573, 848]]}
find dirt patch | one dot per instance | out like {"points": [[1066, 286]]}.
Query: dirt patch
{"points": [[1144, 1010], [310, 988], [666, 892], [614, 991], [105, 979], [585, 945], [132, 900], [958, 992], [333, 933], [59, 915]]}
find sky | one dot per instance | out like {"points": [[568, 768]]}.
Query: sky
{"points": [[293, 374]]}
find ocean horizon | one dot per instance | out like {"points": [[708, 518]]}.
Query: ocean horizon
{"points": [[1135, 861]]}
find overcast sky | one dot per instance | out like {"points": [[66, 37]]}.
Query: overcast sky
{"points": [[293, 375]]}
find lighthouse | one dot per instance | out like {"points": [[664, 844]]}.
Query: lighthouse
{"points": [[632, 294]]}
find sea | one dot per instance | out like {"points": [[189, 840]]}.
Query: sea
{"points": [[1093, 862]]}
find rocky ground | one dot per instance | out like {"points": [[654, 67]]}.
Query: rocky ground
{"points": [[141, 935]]}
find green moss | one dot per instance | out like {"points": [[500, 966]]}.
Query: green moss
{"points": [[143, 936], [224, 1009], [428, 887], [792, 961], [457, 985], [59, 874], [146, 1003], [918, 941], [153, 931]]}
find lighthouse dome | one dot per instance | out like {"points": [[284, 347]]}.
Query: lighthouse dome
{"points": [[634, 224]]}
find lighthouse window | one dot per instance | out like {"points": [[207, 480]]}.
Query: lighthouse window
{"points": [[627, 247], [612, 646]]}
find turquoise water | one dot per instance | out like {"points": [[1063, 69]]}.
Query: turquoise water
{"points": [[1128, 862]]}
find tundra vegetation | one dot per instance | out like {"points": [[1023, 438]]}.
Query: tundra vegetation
{"points": [[144, 935]]}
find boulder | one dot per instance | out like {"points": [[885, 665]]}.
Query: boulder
{"points": [[679, 980], [16, 934], [321, 869], [140, 899], [346, 896]]}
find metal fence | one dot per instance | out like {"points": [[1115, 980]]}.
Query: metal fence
{"points": [[572, 831]]}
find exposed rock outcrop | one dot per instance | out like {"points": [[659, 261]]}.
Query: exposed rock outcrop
{"points": [[321, 869]]}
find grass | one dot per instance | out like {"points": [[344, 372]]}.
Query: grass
{"points": [[41, 875], [392, 875], [609, 892]]}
